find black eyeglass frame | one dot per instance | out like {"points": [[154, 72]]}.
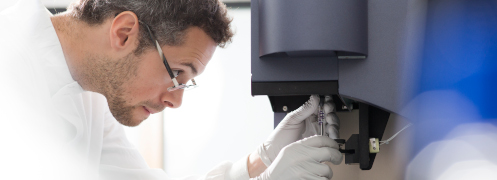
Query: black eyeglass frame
{"points": [[169, 70]]}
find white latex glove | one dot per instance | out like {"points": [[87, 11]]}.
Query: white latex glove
{"points": [[302, 160], [289, 130], [332, 123]]}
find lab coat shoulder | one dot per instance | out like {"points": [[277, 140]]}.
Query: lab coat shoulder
{"points": [[116, 149], [18, 70], [23, 86], [120, 160]]}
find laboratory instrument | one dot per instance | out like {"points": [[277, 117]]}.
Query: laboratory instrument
{"points": [[362, 53]]}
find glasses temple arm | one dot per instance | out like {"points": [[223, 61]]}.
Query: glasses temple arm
{"points": [[162, 56]]}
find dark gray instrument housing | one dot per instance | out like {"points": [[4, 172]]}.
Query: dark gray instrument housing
{"points": [[362, 50], [365, 54]]}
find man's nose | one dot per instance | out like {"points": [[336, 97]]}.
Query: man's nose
{"points": [[173, 99]]}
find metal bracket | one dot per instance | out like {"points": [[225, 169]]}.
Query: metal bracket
{"points": [[372, 124], [347, 103]]}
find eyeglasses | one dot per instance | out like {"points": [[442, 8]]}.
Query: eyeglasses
{"points": [[177, 85]]}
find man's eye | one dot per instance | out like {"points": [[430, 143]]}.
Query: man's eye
{"points": [[176, 73]]}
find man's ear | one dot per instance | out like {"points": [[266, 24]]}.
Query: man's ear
{"points": [[124, 31]]}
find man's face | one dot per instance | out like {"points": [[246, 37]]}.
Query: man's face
{"points": [[138, 85]]}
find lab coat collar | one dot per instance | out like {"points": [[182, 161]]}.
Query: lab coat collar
{"points": [[40, 39]]}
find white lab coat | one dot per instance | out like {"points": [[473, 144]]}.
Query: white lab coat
{"points": [[50, 128]]}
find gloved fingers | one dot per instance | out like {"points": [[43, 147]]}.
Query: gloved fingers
{"points": [[332, 132], [323, 148], [304, 111], [328, 107], [336, 156], [322, 154], [316, 112], [263, 154], [332, 119], [319, 141], [311, 127], [328, 98], [319, 169], [312, 118]]}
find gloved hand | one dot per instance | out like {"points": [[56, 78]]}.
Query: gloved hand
{"points": [[289, 130], [332, 123], [302, 160]]}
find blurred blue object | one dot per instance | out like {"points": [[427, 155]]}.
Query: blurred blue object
{"points": [[460, 51], [458, 78], [460, 55]]}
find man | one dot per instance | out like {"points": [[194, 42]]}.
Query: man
{"points": [[138, 56]]}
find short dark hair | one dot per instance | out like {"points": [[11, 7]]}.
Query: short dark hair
{"points": [[168, 19]]}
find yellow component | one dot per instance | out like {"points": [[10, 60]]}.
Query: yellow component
{"points": [[374, 145]]}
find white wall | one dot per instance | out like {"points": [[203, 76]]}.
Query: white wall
{"points": [[219, 120], [6, 3], [47, 3]]}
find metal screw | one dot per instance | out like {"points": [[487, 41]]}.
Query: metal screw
{"points": [[285, 108]]}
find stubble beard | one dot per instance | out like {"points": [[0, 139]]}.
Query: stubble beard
{"points": [[110, 78]]}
